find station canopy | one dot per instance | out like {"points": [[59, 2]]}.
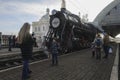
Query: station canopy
{"points": [[109, 18]]}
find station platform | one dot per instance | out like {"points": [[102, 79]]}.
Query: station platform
{"points": [[72, 66]]}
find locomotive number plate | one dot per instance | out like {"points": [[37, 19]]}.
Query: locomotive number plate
{"points": [[55, 22]]}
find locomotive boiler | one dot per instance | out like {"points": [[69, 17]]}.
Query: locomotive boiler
{"points": [[69, 31]]}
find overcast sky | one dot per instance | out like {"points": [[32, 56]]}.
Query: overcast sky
{"points": [[13, 13]]}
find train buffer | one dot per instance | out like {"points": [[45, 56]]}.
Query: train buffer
{"points": [[72, 66]]}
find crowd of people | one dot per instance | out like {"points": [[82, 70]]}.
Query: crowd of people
{"points": [[11, 42], [100, 44], [26, 42]]}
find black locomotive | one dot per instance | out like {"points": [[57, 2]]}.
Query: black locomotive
{"points": [[69, 31]]}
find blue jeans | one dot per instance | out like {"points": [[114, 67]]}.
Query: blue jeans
{"points": [[55, 59], [98, 53], [25, 71], [106, 50]]}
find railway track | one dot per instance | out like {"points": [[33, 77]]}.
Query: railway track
{"points": [[14, 59]]}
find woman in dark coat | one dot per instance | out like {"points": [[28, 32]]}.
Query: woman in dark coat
{"points": [[26, 45]]}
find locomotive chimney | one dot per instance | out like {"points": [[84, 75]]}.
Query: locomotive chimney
{"points": [[63, 5]]}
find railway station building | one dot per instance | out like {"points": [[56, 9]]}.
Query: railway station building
{"points": [[40, 28]]}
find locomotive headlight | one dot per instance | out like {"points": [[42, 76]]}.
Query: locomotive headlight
{"points": [[55, 22]]}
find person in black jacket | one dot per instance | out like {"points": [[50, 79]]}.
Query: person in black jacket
{"points": [[26, 45]]}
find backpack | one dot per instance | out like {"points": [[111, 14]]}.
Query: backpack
{"points": [[98, 42]]}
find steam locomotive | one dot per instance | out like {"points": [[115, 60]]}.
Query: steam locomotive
{"points": [[69, 31]]}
